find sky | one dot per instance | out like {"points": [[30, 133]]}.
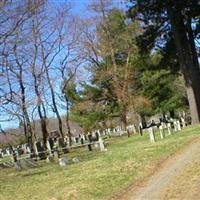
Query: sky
{"points": [[79, 9], [79, 6]]}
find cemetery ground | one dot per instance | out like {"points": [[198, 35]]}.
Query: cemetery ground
{"points": [[101, 175]]}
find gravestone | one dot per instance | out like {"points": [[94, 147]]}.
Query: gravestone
{"points": [[140, 128], [74, 139], [49, 159], [151, 134], [90, 140], [39, 150], [105, 132], [99, 133], [63, 162], [77, 140], [162, 133], [50, 145], [56, 154], [96, 138], [178, 125], [8, 151], [76, 159], [62, 146], [169, 128], [133, 129], [101, 145], [175, 126], [82, 141], [85, 137], [183, 122]]}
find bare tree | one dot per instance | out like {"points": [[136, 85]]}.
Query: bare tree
{"points": [[111, 50]]}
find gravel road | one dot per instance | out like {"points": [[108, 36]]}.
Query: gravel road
{"points": [[154, 187]]}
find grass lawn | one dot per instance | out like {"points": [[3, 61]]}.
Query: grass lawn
{"points": [[99, 175]]}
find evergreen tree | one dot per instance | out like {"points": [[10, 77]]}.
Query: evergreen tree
{"points": [[169, 24]]}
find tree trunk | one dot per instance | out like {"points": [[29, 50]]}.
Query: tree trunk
{"points": [[54, 103], [124, 120], [39, 108], [67, 123], [143, 121], [43, 126], [188, 59], [27, 122], [172, 114]]}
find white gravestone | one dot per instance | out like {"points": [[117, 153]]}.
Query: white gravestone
{"points": [[101, 145], [151, 134], [175, 126], [161, 129], [169, 128], [178, 125], [183, 122]]}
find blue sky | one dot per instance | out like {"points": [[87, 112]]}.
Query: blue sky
{"points": [[79, 8]]}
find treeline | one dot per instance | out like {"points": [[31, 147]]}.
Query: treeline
{"points": [[110, 64], [39, 57]]}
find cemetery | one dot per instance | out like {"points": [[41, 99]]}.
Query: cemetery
{"points": [[99, 100], [121, 159], [56, 146]]}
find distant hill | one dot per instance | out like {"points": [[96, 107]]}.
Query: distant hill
{"points": [[15, 135]]}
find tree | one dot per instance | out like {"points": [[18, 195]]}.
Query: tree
{"points": [[177, 21], [14, 103], [38, 51], [113, 54]]}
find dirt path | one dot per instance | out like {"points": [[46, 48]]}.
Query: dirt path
{"points": [[156, 187]]}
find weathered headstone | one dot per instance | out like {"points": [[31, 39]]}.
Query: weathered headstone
{"points": [[63, 162], [90, 140], [76, 159], [175, 125], [74, 139], [162, 133], [99, 133], [169, 128], [109, 131], [49, 159], [77, 140], [56, 154], [62, 146], [101, 145], [39, 150], [151, 134], [82, 141], [183, 122], [50, 145], [178, 125], [140, 128]]}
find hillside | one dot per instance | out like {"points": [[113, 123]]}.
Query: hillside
{"points": [[15, 135]]}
